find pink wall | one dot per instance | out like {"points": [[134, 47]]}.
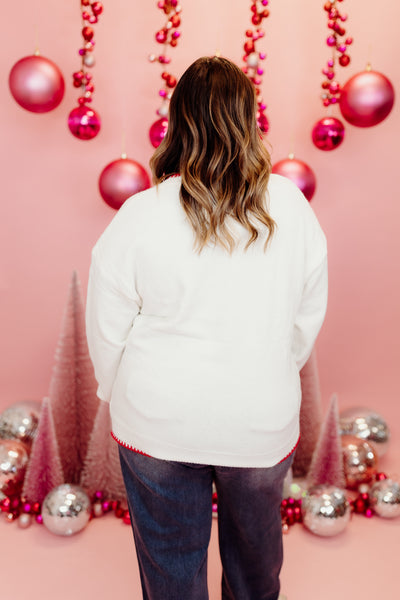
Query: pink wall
{"points": [[52, 212]]}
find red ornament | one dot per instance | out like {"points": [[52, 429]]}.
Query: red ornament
{"points": [[367, 98], [299, 172], [121, 179], [157, 131], [328, 133], [84, 123], [37, 84]]}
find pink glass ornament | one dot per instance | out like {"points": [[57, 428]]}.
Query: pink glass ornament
{"points": [[328, 133], [157, 131], [299, 172], [37, 84], [121, 179], [84, 123], [366, 99]]}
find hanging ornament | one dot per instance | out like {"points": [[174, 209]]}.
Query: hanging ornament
{"points": [[168, 37], [328, 133], [253, 59], [121, 179], [83, 122], [367, 98], [36, 83], [299, 172]]}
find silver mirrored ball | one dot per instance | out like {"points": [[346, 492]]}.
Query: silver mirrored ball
{"points": [[326, 510], [66, 509]]}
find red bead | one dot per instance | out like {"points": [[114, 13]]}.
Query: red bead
{"points": [[248, 47], [93, 19], [161, 36], [265, 13], [97, 8], [87, 33], [171, 81], [344, 60], [256, 19], [327, 6], [85, 15], [175, 20], [249, 33], [173, 42]]}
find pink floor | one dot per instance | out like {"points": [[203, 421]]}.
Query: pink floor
{"points": [[99, 563]]}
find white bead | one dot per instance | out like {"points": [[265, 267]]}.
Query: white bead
{"points": [[252, 60]]}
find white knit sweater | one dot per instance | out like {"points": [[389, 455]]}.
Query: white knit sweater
{"points": [[200, 354]]}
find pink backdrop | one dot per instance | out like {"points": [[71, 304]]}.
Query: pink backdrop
{"points": [[52, 211]]}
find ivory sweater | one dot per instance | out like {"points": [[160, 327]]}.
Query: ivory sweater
{"points": [[200, 354]]}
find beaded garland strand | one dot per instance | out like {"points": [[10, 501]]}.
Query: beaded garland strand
{"points": [[83, 121], [339, 44], [168, 37], [252, 58]]}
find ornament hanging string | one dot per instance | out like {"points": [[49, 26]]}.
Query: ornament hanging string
{"points": [[252, 57], [168, 37], [83, 121]]}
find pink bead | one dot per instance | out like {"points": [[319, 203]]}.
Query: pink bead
{"points": [[175, 35], [331, 41], [260, 71], [39, 519], [85, 15], [161, 36], [369, 513], [330, 63], [262, 55], [93, 19], [162, 93], [264, 2], [26, 507], [349, 41], [331, 75], [342, 48], [82, 51]]}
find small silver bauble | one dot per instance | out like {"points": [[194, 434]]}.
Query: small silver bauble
{"points": [[20, 421], [367, 425], [385, 498], [13, 462], [24, 520], [66, 509], [326, 510], [89, 60], [359, 461]]}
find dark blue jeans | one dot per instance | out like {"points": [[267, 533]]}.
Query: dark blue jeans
{"points": [[170, 508]]}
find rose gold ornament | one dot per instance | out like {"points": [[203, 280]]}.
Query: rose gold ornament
{"points": [[366, 99], [328, 133], [36, 83], [359, 460], [121, 179], [299, 172]]}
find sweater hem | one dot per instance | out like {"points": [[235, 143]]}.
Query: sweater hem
{"points": [[156, 449]]}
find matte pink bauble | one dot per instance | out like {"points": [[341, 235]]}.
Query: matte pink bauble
{"points": [[328, 133], [84, 123], [299, 172], [157, 131], [121, 179], [37, 84], [366, 99]]}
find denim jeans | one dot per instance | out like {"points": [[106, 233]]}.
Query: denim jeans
{"points": [[170, 509]]}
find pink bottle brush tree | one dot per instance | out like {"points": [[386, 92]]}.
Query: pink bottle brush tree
{"points": [[73, 387], [44, 468]]}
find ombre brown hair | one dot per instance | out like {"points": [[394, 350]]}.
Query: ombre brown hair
{"points": [[214, 143]]}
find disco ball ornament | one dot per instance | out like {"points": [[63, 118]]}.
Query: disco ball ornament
{"points": [[366, 425], [36, 83], [84, 123], [13, 463], [359, 460], [385, 498], [121, 179], [157, 131], [299, 172], [20, 421], [366, 99], [325, 510], [66, 509], [328, 133]]}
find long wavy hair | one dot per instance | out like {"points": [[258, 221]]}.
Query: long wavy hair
{"points": [[214, 143]]}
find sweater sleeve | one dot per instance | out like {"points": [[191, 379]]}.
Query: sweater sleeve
{"points": [[110, 313], [311, 313]]}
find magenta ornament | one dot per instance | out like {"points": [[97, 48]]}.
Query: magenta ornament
{"points": [[366, 99], [84, 123], [121, 179], [299, 172], [37, 84], [328, 133], [157, 131]]}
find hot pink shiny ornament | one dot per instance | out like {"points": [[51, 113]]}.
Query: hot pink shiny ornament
{"points": [[37, 84], [157, 131], [121, 179], [366, 99], [84, 123], [328, 133], [299, 172]]}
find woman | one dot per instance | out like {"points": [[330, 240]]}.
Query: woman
{"points": [[205, 297]]}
